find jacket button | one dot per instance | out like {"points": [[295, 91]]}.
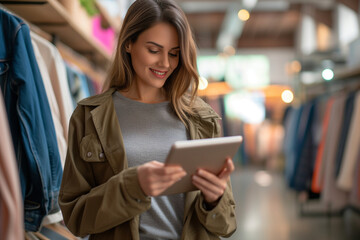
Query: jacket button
{"points": [[138, 200], [214, 216], [89, 154], [101, 155]]}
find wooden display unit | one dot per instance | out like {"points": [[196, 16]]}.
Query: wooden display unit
{"points": [[53, 18]]}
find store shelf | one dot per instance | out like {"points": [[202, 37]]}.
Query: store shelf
{"points": [[53, 18]]}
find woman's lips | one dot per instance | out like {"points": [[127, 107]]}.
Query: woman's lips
{"points": [[157, 73]]}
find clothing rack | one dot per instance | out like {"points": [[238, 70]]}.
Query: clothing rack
{"points": [[308, 205], [41, 33], [346, 81], [349, 83], [324, 210], [57, 230]]}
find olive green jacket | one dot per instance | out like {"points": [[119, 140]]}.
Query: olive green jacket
{"points": [[100, 196]]}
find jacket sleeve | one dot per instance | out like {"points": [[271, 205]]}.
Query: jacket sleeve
{"points": [[220, 220], [90, 208]]}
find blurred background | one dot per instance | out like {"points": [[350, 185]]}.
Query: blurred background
{"points": [[285, 74]]}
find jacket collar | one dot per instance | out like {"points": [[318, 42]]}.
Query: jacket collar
{"points": [[107, 127], [99, 99]]}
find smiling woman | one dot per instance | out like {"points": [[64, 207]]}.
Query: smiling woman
{"points": [[118, 140], [181, 86], [154, 57]]}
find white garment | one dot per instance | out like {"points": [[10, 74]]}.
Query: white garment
{"points": [[55, 113], [345, 179], [57, 73], [355, 191]]}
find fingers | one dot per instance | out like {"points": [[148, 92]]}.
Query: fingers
{"points": [[156, 163], [211, 178], [154, 177], [227, 169], [157, 184], [213, 186], [160, 168], [210, 192], [169, 177]]}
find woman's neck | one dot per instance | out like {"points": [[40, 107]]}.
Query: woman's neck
{"points": [[145, 95]]}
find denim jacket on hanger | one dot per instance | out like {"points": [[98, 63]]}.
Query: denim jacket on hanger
{"points": [[30, 121]]}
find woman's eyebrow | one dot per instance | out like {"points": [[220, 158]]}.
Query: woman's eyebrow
{"points": [[160, 46]]}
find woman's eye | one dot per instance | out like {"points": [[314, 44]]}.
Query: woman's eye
{"points": [[173, 54], [152, 51]]}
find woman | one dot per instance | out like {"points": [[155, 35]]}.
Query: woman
{"points": [[118, 140]]}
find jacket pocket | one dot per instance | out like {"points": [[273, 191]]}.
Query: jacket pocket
{"points": [[91, 150]]}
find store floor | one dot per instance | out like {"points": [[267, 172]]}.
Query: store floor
{"points": [[267, 210]]}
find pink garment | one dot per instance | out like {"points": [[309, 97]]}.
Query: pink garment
{"points": [[105, 36], [11, 207]]}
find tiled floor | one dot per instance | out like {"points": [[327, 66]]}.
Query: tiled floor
{"points": [[272, 212]]}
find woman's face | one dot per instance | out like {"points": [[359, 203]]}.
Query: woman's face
{"points": [[155, 55]]}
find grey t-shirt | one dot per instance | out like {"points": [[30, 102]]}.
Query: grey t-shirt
{"points": [[148, 132]]}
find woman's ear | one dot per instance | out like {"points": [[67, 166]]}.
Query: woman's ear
{"points": [[128, 47]]}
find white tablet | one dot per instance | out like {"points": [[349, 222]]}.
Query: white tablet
{"points": [[209, 154]]}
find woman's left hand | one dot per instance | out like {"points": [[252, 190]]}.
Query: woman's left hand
{"points": [[213, 186]]}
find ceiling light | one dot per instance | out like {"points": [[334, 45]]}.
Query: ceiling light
{"points": [[203, 83], [287, 96], [244, 15], [327, 74]]}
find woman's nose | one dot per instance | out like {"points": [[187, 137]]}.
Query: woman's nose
{"points": [[164, 61]]}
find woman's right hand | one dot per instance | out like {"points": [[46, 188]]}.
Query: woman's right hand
{"points": [[154, 177]]}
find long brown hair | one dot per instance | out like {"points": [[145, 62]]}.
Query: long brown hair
{"points": [[182, 84]]}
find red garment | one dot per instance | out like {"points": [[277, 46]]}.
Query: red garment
{"points": [[317, 181]]}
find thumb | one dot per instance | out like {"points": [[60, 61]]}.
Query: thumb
{"points": [[227, 169]]}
